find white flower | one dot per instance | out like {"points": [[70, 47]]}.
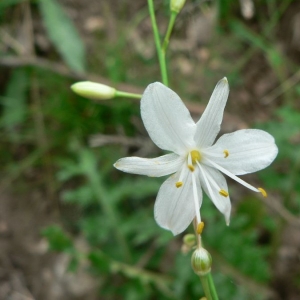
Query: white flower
{"points": [[195, 161]]}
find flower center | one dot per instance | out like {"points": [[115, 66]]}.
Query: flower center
{"points": [[195, 156]]}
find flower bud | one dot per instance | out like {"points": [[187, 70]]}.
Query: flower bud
{"points": [[189, 240], [176, 5], [201, 261], [92, 90]]}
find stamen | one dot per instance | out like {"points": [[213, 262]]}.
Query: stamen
{"points": [[191, 167], [196, 199], [263, 192], [223, 193], [200, 227], [212, 181], [182, 174], [196, 156], [239, 180], [206, 181], [226, 153], [179, 184]]}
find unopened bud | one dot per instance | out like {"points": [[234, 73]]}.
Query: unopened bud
{"points": [[176, 5], [189, 240], [201, 261], [92, 90]]}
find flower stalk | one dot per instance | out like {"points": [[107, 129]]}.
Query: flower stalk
{"points": [[169, 31], [128, 95], [201, 263], [208, 287], [161, 56]]}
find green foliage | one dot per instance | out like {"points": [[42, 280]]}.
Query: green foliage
{"points": [[7, 3], [63, 34], [114, 216], [57, 238], [286, 132], [14, 100], [243, 253]]}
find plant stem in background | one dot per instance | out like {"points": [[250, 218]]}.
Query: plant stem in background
{"points": [[161, 56], [169, 31]]}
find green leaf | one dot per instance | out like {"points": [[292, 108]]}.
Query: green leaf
{"points": [[63, 34], [83, 196], [99, 261], [57, 238]]}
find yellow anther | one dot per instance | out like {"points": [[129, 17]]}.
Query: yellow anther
{"points": [[192, 168], [196, 156], [223, 193], [263, 192], [179, 184], [200, 227], [226, 153]]}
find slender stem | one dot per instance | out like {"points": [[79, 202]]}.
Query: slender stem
{"points": [[161, 56], [169, 31], [212, 287], [206, 280], [209, 287], [128, 95]]}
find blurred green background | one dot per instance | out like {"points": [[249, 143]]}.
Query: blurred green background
{"points": [[73, 227]]}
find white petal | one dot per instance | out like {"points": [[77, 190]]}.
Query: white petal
{"points": [[174, 207], [250, 150], [166, 119], [210, 122], [155, 167], [212, 182]]}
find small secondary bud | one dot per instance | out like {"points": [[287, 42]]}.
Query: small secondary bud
{"points": [[92, 90], [189, 240], [176, 5], [201, 261]]}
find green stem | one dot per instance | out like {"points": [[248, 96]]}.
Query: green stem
{"points": [[206, 280], [161, 56], [209, 287], [127, 95], [169, 31]]}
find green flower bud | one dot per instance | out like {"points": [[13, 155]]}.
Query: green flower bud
{"points": [[189, 240], [176, 5], [201, 261], [92, 90]]}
